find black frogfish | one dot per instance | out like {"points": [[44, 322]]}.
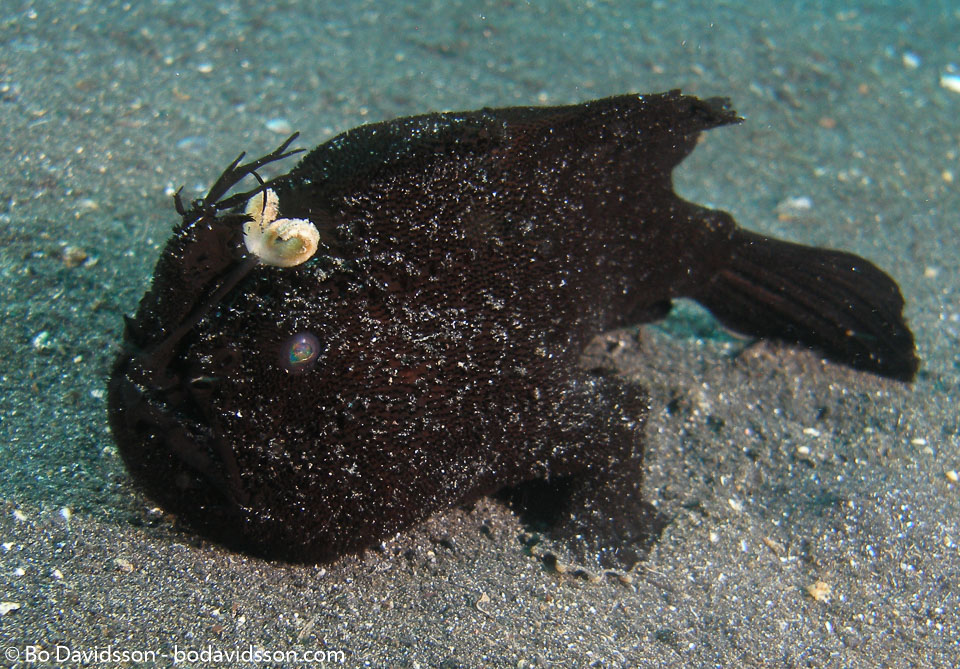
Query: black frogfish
{"points": [[394, 326]]}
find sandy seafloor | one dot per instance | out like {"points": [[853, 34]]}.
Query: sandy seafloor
{"points": [[779, 471]]}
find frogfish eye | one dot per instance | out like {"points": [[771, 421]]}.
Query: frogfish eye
{"points": [[300, 352]]}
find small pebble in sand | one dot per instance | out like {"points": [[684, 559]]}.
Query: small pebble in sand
{"points": [[793, 206], [281, 126], [798, 203], [952, 475], [19, 515], [819, 591], [74, 256], [86, 204], [911, 61], [774, 545], [7, 607], [42, 341], [481, 603], [951, 82], [123, 564]]}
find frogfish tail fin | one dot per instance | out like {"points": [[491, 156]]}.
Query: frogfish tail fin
{"points": [[836, 302]]}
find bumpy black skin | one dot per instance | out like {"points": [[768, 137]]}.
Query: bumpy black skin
{"points": [[468, 259]]}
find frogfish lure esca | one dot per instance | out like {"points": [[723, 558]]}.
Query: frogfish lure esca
{"points": [[394, 326]]}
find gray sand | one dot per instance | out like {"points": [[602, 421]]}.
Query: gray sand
{"points": [[786, 477]]}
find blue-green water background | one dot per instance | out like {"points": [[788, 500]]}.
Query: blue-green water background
{"points": [[106, 108]]}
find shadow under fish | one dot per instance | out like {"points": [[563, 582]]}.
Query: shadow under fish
{"points": [[394, 326]]}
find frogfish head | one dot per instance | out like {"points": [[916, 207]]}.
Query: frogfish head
{"points": [[175, 385]]}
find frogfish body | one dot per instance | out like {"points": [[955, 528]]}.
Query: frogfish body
{"points": [[394, 326]]}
